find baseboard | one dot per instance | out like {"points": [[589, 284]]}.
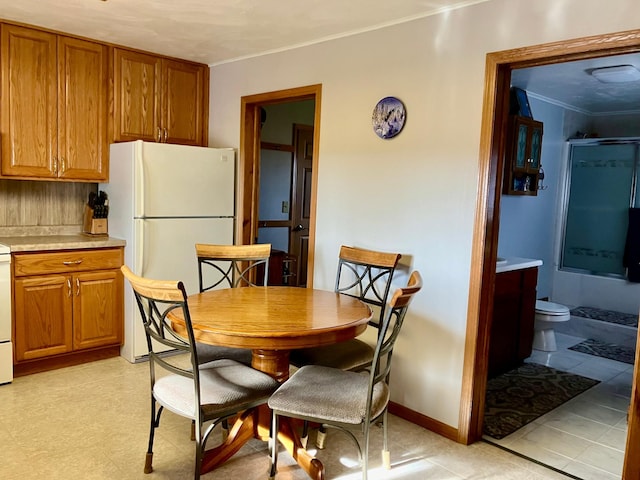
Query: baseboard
{"points": [[423, 421]]}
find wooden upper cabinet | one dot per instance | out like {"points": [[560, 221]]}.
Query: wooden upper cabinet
{"points": [[183, 102], [159, 99], [53, 117], [83, 96], [136, 84], [28, 111]]}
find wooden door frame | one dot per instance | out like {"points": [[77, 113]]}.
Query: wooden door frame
{"points": [[487, 218], [249, 162]]}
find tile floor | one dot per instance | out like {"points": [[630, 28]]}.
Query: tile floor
{"points": [[91, 422], [586, 436]]}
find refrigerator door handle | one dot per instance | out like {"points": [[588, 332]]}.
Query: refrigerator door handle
{"points": [[140, 248], [140, 183]]}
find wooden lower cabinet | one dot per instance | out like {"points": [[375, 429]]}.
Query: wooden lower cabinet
{"points": [[514, 306], [43, 317], [67, 316]]}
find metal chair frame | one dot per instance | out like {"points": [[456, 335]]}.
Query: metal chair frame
{"points": [[379, 372], [372, 274], [156, 299], [236, 265]]}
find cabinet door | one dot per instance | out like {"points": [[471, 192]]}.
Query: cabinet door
{"points": [[97, 309], [535, 145], [28, 117], [82, 110], [136, 85], [521, 153], [183, 102], [43, 322]]}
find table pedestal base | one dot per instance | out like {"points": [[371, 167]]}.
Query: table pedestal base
{"points": [[254, 423]]}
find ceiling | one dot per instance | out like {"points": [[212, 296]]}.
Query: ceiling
{"points": [[571, 84], [218, 31], [215, 31]]}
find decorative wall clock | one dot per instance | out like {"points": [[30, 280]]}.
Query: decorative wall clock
{"points": [[388, 117]]}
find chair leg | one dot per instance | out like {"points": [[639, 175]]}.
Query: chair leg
{"points": [[386, 456], [304, 438], [155, 421], [273, 446], [225, 430], [321, 438], [199, 448], [365, 451]]}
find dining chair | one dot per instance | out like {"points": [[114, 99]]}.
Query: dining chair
{"points": [[230, 266], [207, 394], [366, 275], [362, 274], [345, 399]]}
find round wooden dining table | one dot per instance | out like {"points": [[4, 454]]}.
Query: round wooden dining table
{"points": [[271, 321]]}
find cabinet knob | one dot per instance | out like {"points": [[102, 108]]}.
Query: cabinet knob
{"points": [[68, 288], [159, 135], [77, 287], [166, 135]]}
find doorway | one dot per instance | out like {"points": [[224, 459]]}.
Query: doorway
{"points": [[496, 107], [252, 108]]}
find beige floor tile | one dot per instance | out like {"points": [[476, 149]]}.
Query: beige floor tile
{"points": [[92, 422], [557, 441], [533, 449], [586, 472], [576, 425], [605, 458], [614, 438]]}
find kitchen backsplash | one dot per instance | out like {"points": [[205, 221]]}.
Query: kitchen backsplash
{"points": [[42, 207]]}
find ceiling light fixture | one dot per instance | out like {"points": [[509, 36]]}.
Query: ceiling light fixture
{"points": [[616, 74]]}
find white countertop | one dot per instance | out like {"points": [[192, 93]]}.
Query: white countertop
{"points": [[516, 263]]}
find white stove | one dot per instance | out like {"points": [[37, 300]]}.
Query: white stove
{"points": [[6, 349]]}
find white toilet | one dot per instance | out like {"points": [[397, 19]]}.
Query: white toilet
{"points": [[547, 315]]}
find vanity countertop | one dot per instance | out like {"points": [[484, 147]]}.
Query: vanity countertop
{"points": [[516, 263], [35, 243]]}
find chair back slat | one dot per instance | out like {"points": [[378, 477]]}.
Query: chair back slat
{"points": [[390, 329], [230, 266], [366, 275], [156, 299]]}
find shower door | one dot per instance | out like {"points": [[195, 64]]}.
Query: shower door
{"points": [[601, 187]]}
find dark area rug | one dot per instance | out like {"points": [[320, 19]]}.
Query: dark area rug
{"points": [[519, 396], [606, 316], [606, 350]]}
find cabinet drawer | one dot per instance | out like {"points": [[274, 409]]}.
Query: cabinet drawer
{"points": [[67, 261]]}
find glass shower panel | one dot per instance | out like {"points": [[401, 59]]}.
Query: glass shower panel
{"points": [[600, 194]]}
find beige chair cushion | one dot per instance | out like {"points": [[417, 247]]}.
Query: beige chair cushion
{"points": [[208, 353], [335, 395], [225, 386], [350, 355]]}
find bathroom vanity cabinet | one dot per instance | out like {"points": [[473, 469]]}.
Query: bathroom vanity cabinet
{"points": [[514, 303]]}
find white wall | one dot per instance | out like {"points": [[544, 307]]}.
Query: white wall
{"points": [[417, 192]]}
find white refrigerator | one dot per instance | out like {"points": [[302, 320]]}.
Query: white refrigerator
{"points": [[163, 199]]}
